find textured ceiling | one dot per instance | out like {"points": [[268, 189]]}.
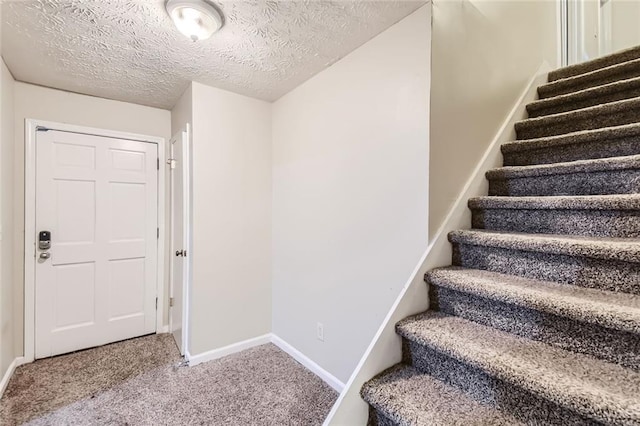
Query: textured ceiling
{"points": [[129, 50]]}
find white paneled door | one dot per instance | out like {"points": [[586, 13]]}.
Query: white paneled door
{"points": [[96, 200]]}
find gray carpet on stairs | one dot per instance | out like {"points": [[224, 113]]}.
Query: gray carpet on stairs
{"points": [[610, 92], [139, 382], [587, 144], [598, 77], [538, 321], [614, 175], [626, 111], [598, 63]]}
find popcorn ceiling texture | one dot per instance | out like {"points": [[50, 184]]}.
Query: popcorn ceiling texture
{"points": [[129, 50]]}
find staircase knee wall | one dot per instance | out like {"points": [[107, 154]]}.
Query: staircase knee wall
{"points": [[385, 349]]}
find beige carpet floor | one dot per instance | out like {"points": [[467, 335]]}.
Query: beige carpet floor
{"points": [[139, 382]]}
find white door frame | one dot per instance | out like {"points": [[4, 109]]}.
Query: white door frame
{"points": [[570, 32], [31, 128], [563, 32], [185, 133]]}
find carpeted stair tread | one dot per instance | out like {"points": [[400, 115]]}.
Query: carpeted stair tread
{"points": [[561, 202], [597, 77], [600, 176], [539, 319], [622, 249], [578, 137], [613, 216], [594, 64], [616, 311], [615, 91], [568, 167], [600, 390], [409, 398], [626, 111]]}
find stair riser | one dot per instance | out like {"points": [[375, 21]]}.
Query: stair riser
{"points": [[581, 183], [607, 275], [592, 223], [568, 105], [585, 67], [610, 345], [580, 151], [566, 87], [378, 419], [589, 121], [480, 386]]}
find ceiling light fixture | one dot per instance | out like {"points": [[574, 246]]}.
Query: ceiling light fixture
{"points": [[196, 19]]}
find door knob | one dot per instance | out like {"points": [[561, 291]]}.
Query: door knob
{"points": [[45, 255]]}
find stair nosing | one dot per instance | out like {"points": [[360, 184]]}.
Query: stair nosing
{"points": [[597, 307], [615, 249], [558, 202], [572, 138], [480, 349], [607, 108], [541, 104], [595, 61], [607, 164], [394, 413], [567, 81]]}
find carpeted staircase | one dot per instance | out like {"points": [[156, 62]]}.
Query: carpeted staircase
{"points": [[538, 321]]}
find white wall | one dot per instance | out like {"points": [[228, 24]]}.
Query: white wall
{"points": [[350, 194], [484, 53], [625, 24], [231, 288], [7, 330], [182, 113], [58, 106]]}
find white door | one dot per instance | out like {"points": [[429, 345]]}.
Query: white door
{"points": [[179, 238], [97, 197]]}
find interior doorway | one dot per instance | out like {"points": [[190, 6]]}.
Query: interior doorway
{"points": [[594, 28], [93, 252], [180, 239]]}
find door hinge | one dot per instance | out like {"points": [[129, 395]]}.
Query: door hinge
{"points": [[171, 302], [157, 164], [172, 163], [158, 233], [156, 303]]}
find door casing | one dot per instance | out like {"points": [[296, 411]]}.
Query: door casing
{"points": [[31, 129], [185, 135]]}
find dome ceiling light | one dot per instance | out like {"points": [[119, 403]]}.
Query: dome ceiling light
{"points": [[196, 19]]}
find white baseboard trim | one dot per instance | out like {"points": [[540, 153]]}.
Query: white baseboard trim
{"points": [[228, 350], [330, 379], [327, 377], [7, 375], [162, 330]]}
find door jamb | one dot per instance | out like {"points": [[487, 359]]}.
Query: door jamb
{"points": [[563, 32], [31, 128], [184, 133]]}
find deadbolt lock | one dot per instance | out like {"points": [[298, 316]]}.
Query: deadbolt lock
{"points": [[44, 240]]}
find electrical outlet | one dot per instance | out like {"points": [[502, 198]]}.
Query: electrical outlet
{"points": [[320, 332]]}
